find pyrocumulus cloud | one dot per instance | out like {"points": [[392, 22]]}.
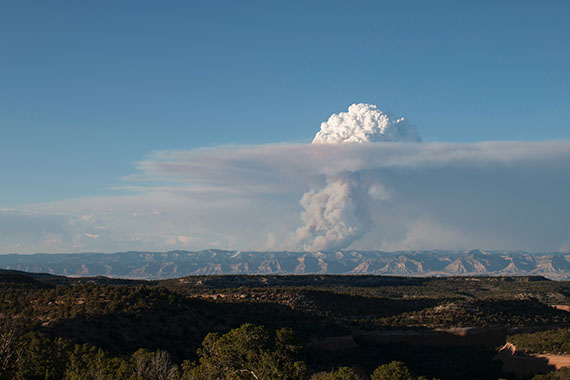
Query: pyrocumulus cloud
{"points": [[336, 215], [365, 123]]}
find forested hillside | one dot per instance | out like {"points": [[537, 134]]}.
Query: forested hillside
{"points": [[290, 327]]}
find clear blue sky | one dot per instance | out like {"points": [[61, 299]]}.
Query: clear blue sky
{"points": [[89, 88]]}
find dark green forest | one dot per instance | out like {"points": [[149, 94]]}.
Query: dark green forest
{"points": [[276, 327], [556, 341]]}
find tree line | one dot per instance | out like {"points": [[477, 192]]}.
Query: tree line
{"points": [[249, 352]]}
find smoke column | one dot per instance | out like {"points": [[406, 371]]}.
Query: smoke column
{"points": [[336, 215]]}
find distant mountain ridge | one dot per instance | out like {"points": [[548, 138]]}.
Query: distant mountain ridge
{"points": [[160, 265]]}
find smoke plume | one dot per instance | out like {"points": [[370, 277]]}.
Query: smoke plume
{"points": [[365, 123], [336, 215]]}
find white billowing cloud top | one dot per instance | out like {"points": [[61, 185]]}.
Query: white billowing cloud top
{"points": [[365, 123]]}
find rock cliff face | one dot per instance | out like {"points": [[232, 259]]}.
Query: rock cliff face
{"points": [[157, 265]]}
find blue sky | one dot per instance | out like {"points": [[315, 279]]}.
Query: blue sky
{"points": [[90, 89]]}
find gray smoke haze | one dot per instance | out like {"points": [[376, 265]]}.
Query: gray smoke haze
{"points": [[336, 215], [508, 195]]}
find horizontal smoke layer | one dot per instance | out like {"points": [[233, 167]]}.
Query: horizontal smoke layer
{"points": [[495, 195]]}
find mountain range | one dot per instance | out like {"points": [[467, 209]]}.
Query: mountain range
{"points": [[161, 265]]}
